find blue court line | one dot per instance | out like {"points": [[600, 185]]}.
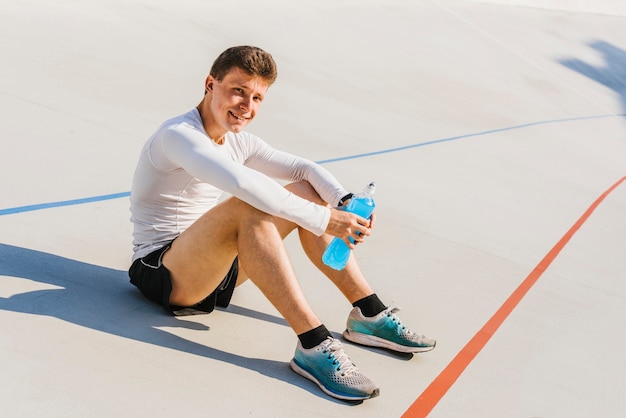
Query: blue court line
{"points": [[453, 138], [29, 208], [73, 202]]}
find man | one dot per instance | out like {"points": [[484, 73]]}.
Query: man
{"points": [[191, 249]]}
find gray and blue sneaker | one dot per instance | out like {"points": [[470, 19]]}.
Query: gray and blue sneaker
{"points": [[327, 365], [385, 330]]}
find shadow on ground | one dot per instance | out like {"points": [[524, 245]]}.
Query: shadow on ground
{"points": [[102, 299], [612, 74]]}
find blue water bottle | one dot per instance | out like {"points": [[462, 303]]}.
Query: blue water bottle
{"points": [[337, 253]]}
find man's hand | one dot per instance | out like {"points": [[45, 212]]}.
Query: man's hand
{"points": [[346, 225]]}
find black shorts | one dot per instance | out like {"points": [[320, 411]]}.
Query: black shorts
{"points": [[153, 279]]}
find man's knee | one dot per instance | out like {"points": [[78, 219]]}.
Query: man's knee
{"points": [[306, 191], [248, 217]]}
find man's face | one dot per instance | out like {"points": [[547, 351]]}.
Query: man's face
{"points": [[235, 100]]}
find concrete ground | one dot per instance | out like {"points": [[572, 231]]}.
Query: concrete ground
{"points": [[496, 133]]}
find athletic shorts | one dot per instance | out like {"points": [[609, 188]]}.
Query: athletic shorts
{"points": [[150, 276]]}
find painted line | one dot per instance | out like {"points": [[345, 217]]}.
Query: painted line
{"points": [[454, 138], [29, 208], [73, 202], [424, 404]]}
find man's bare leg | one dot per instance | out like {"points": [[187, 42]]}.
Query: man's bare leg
{"points": [[350, 281]]}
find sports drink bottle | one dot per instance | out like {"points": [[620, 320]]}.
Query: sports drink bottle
{"points": [[337, 253]]}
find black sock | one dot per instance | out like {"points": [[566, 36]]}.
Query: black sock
{"points": [[314, 337], [370, 305]]}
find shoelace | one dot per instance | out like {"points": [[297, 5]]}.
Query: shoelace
{"points": [[335, 351], [391, 313]]}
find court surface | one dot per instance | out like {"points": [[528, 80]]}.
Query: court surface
{"points": [[497, 137]]}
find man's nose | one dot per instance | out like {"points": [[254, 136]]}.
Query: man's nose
{"points": [[245, 103]]}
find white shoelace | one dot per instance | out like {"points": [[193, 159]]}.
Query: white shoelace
{"points": [[335, 348], [391, 313]]}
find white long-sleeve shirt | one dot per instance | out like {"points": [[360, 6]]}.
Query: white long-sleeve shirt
{"points": [[182, 173]]}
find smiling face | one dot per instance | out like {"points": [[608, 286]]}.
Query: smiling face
{"points": [[231, 103]]}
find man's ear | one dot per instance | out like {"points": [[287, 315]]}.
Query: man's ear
{"points": [[208, 84]]}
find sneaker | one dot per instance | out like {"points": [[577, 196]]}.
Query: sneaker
{"points": [[327, 365], [385, 330]]}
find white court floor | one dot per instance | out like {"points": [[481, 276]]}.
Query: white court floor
{"points": [[496, 135]]}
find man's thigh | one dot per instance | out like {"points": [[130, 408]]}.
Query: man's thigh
{"points": [[202, 255]]}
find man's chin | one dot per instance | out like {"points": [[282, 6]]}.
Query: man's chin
{"points": [[237, 128]]}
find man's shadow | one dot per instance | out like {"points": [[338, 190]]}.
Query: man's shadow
{"points": [[612, 74], [103, 299]]}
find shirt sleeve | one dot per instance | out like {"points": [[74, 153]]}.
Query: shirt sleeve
{"points": [[285, 166], [192, 151]]}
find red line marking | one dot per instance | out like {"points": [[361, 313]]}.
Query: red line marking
{"points": [[424, 404]]}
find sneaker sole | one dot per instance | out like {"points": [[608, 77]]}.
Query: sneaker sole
{"points": [[302, 372], [373, 341]]}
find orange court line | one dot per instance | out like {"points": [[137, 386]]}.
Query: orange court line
{"points": [[424, 404]]}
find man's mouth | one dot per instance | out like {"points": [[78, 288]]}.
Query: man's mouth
{"points": [[240, 118]]}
